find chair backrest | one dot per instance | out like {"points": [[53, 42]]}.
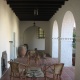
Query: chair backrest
{"points": [[32, 53], [58, 68], [28, 56], [14, 67]]}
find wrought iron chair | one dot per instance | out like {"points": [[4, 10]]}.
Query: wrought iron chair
{"points": [[28, 59], [56, 71], [16, 71], [37, 58]]}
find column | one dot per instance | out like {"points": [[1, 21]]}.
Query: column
{"points": [[77, 59]]}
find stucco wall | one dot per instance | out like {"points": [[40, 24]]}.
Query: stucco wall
{"points": [[43, 24], [74, 7], [9, 23], [30, 37]]}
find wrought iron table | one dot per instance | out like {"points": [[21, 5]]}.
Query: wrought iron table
{"points": [[34, 73]]}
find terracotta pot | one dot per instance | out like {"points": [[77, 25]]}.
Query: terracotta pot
{"points": [[22, 52]]}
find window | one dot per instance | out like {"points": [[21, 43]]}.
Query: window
{"points": [[41, 33]]}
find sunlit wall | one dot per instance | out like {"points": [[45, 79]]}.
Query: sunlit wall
{"points": [[8, 25]]}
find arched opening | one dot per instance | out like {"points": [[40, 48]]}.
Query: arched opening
{"points": [[55, 40], [67, 38], [35, 38]]}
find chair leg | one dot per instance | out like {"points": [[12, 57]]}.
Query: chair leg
{"points": [[13, 76], [25, 78], [10, 77], [45, 78], [60, 77], [53, 77], [28, 62], [20, 77]]}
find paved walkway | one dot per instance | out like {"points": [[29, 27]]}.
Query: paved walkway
{"points": [[67, 74]]}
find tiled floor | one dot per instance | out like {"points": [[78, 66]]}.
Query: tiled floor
{"points": [[67, 74]]}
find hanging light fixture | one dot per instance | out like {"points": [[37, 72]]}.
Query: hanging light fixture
{"points": [[34, 23], [35, 14]]}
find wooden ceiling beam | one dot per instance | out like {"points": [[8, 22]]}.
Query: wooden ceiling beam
{"points": [[23, 5], [32, 15], [36, 0], [24, 9], [22, 12], [27, 8], [35, 3], [41, 8], [37, 6], [30, 19], [32, 10]]}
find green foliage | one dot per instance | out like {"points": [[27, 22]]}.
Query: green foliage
{"points": [[74, 35], [74, 45], [74, 40]]}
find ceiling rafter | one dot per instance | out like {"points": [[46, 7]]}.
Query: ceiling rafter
{"points": [[24, 9]]}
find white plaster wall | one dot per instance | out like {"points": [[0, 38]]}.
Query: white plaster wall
{"points": [[7, 27], [43, 24], [31, 38], [74, 7]]}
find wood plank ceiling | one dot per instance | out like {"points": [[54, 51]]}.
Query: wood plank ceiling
{"points": [[24, 9]]}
